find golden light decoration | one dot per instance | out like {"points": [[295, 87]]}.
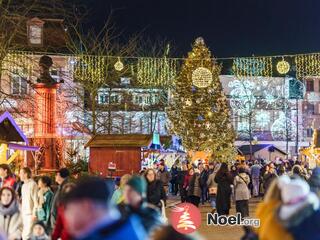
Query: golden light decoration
{"points": [[118, 65], [202, 77], [283, 67], [188, 102]]}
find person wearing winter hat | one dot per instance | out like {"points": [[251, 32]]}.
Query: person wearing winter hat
{"points": [[89, 213], [270, 227], [39, 231], [314, 181], [135, 203], [10, 216], [299, 212]]}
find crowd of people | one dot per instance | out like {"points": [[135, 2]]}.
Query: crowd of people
{"points": [[35, 207]]}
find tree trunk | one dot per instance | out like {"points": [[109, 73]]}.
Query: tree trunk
{"points": [[94, 113]]}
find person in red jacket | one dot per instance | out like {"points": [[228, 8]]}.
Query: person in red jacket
{"points": [[187, 179], [60, 231], [7, 178]]}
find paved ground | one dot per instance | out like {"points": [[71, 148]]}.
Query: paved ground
{"points": [[217, 232]]}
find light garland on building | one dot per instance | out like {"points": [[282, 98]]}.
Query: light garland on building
{"points": [[262, 119], [249, 67], [156, 72], [307, 65]]}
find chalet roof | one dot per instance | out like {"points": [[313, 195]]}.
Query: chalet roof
{"points": [[121, 140], [9, 130], [245, 149]]}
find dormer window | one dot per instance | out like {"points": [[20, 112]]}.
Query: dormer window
{"points": [[35, 32]]}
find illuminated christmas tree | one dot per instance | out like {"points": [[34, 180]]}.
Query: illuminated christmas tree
{"points": [[198, 110]]}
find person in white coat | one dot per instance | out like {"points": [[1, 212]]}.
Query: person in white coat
{"points": [[29, 202], [10, 217]]}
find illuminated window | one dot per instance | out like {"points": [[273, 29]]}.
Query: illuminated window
{"points": [[35, 31], [19, 84]]}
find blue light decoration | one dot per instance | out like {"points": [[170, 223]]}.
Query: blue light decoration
{"points": [[193, 89], [200, 118], [283, 128], [262, 119], [155, 143], [242, 98], [243, 129]]}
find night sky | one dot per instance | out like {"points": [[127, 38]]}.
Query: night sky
{"points": [[229, 27]]}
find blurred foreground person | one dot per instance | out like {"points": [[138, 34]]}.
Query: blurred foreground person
{"points": [[39, 231], [117, 196], [168, 233], [135, 203], [299, 212], [60, 231], [90, 215], [314, 181], [270, 227], [10, 217]]}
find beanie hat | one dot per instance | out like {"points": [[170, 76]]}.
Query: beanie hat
{"points": [[293, 190], [41, 224], [92, 188], [139, 184]]}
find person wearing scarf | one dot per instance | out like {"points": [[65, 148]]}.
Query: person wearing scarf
{"points": [[10, 217]]}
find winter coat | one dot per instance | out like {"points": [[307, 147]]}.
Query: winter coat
{"points": [[122, 229], [241, 189], [210, 182], [43, 237], [164, 177], [43, 211], [9, 181], [255, 171], [29, 196], [194, 188], [60, 230], [270, 227], [148, 214], [267, 179], [155, 192], [181, 176], [174, 174], [55, 204], [11, 221], [223, 192]]}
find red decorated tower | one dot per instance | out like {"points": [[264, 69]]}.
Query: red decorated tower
{"points": [[45, 133]]}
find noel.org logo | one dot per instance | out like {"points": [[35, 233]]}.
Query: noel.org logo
{"points": [[185, 218]]}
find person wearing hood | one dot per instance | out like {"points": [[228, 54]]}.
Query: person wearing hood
{"points": [[299, 212], [242, 192], [135, 203], [10, 217], [314, 181]]}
